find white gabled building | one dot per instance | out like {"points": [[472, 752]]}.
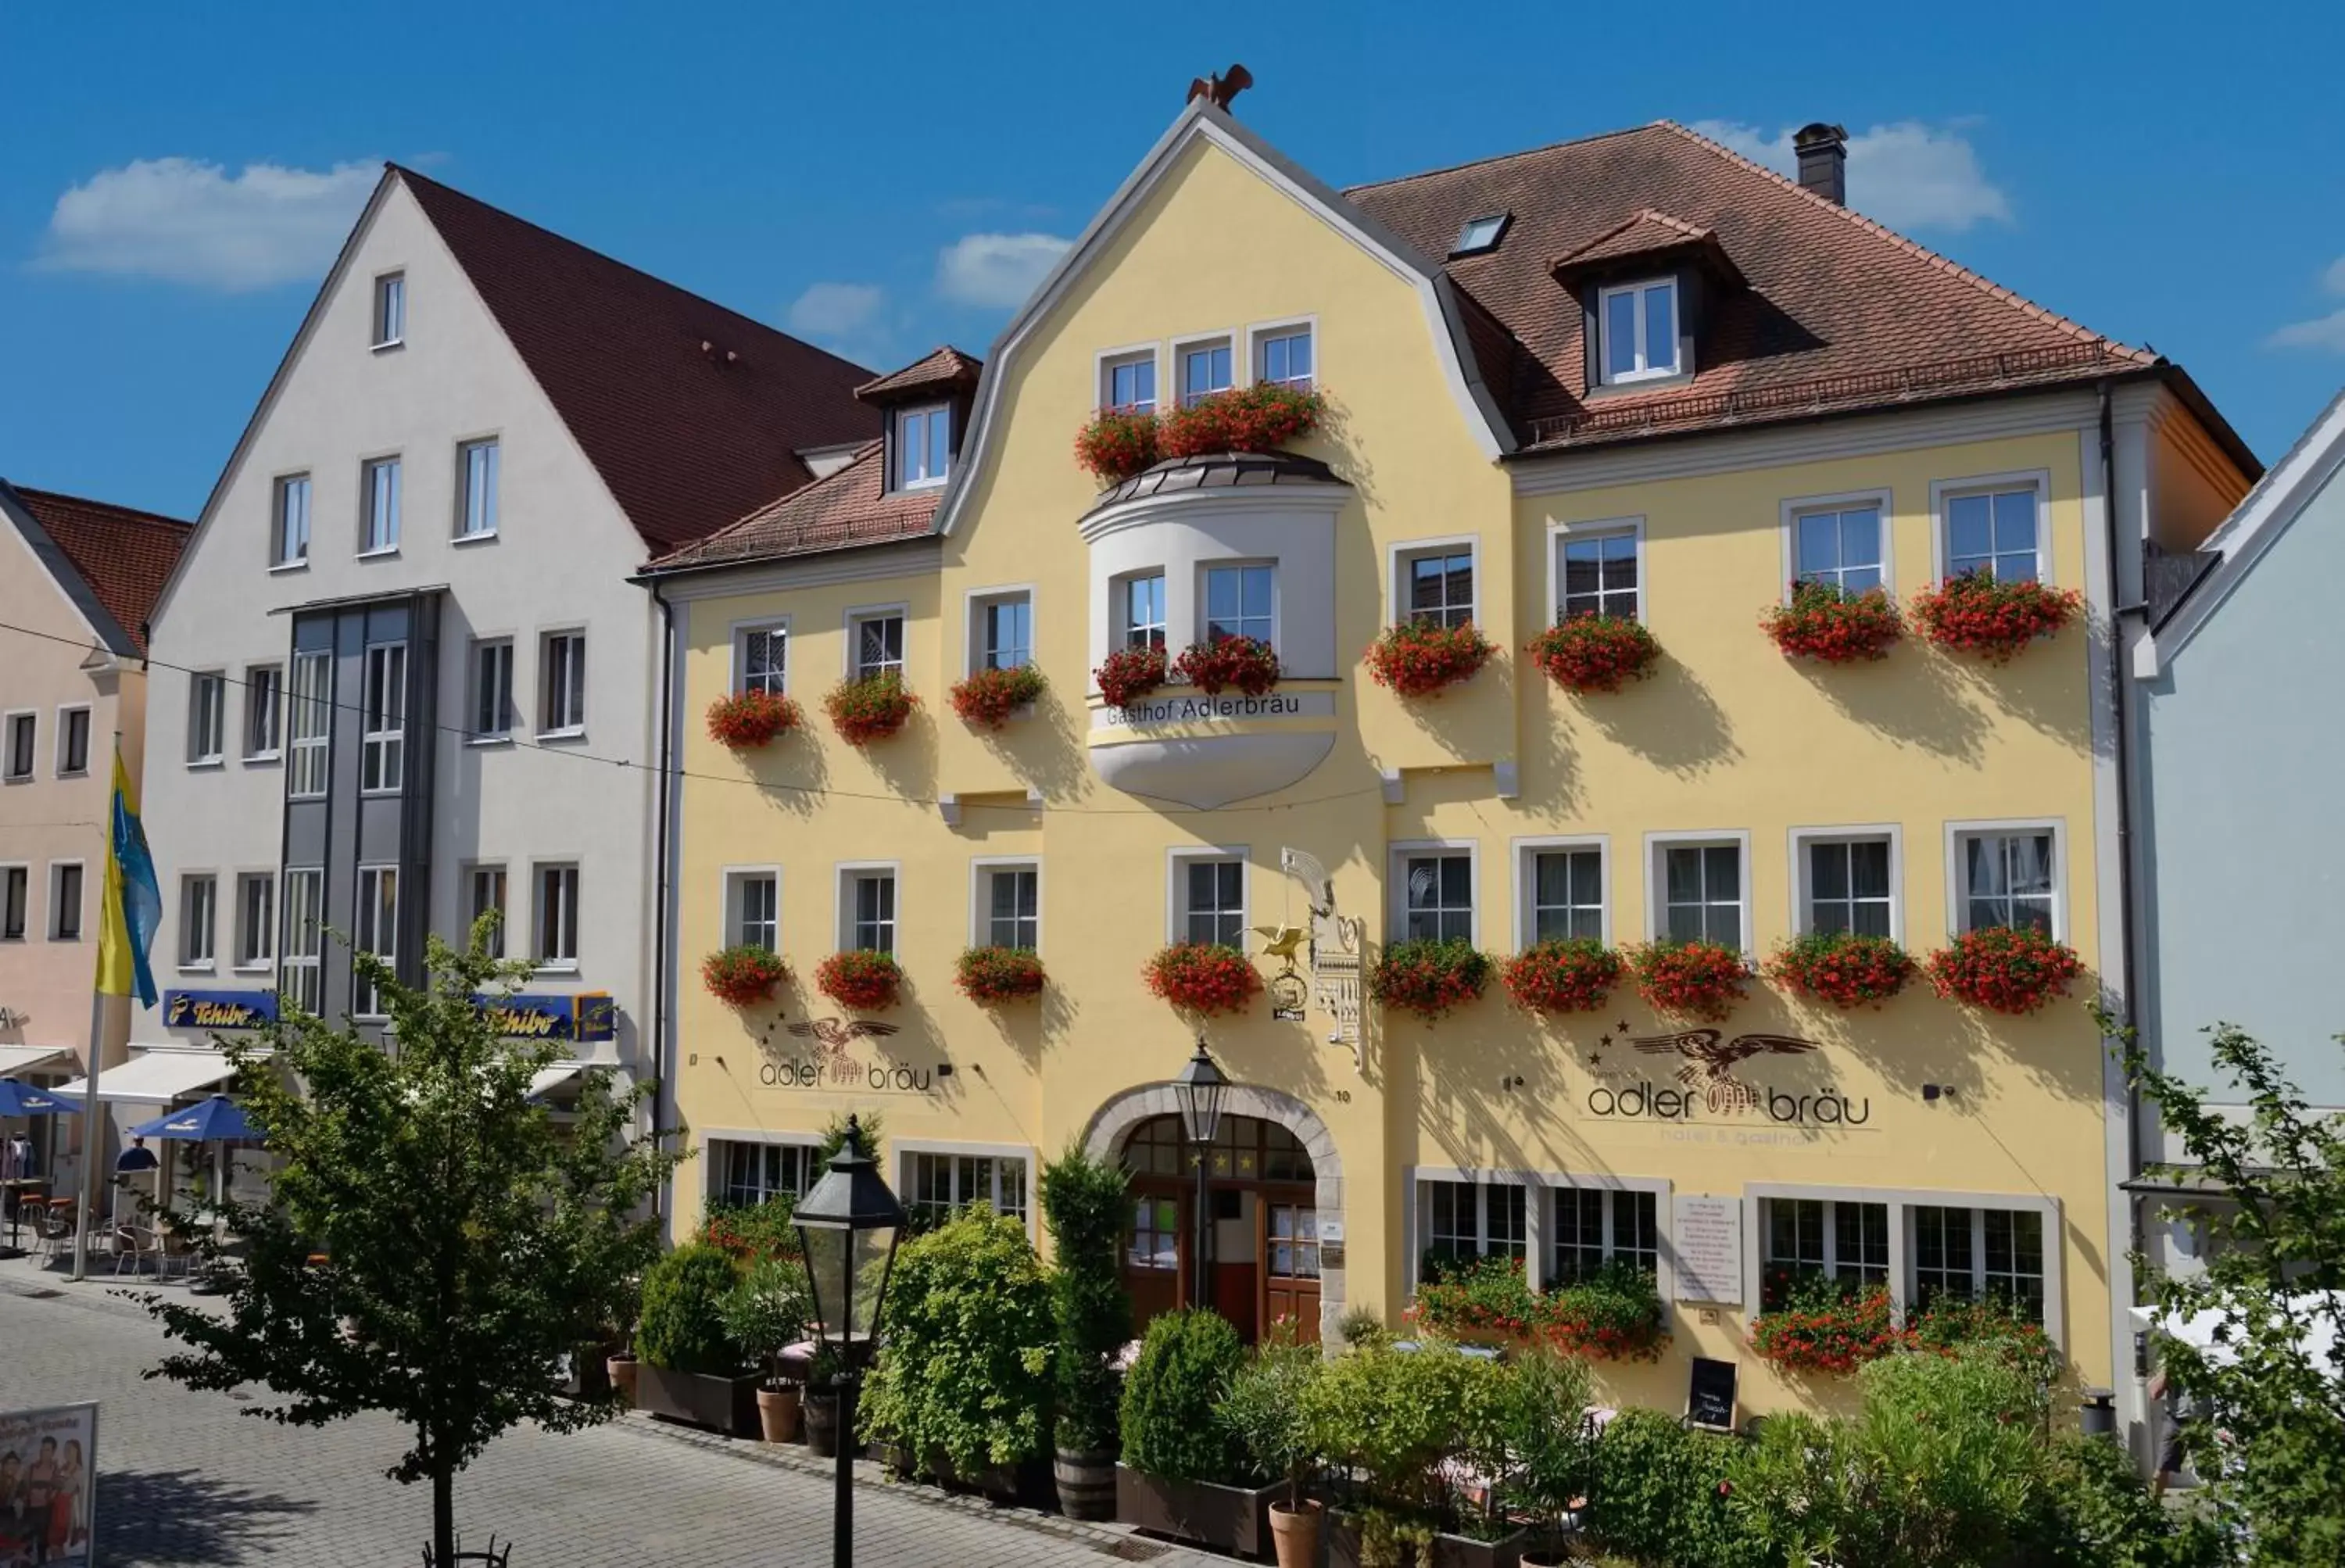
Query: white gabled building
{"points": [[400, 672]]}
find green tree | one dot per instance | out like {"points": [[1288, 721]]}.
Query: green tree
{"points": [[432, 1244], [1083, 1200]]}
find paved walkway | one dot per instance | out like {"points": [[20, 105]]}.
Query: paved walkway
{"points": [[193, 1478]]}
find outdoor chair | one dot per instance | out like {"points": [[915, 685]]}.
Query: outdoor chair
{"points": [[57, 1228], [135, 1245]]}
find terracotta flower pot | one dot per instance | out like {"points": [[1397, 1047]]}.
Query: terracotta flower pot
{"points": [[1294, 1533], [622, 1368], [777, 1412]]}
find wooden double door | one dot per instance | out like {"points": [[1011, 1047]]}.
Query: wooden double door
{"points": [[1261, 1236]]}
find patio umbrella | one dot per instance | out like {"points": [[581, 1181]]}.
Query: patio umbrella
{"points": [[18, 1098], [216, 1120]]}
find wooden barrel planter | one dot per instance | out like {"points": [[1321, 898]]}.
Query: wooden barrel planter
{"points": [[1086, 1483], [820, 1413]]}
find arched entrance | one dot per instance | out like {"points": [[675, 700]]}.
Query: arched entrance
{"points": [[1273, 1188]]}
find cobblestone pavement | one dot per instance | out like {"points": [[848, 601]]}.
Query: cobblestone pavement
{"points": [[185, 1478]]}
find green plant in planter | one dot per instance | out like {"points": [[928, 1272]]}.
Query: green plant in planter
{"points": [[1186, 1365], [1392, 1417], [1267, 1410], [1363, 1326], [768, 1312], [1658, 1491], [1083, 1200], [682, 1328], [1535, 1431], [834, 1136], [750, 1232]]}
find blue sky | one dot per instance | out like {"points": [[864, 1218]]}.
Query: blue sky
{"points": [[174, 179]]}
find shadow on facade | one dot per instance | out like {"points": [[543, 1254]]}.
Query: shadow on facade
{"points": [[1669, 719]]}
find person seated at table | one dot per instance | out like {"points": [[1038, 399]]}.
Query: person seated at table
{"points": [[137, 1157]]}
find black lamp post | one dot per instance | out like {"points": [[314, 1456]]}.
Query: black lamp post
{"points": [[849, 1227], [1200, 1086]]}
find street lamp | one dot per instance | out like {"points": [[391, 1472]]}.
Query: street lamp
{"points": [[1200, 1086], [848, 1227]]}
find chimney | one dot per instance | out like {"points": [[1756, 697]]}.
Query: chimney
{"points": [[1823, 160]]}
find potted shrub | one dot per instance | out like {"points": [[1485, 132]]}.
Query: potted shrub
{"points": [[860, 980], [1538, 1419], [988, 975], [1395, 1418], [1842, 968], [869, 707], [2003, 969], [1701, 980], [1661, 1492], [1268, 1410], [1083, 1202], [1817, 1325], [1615, 1314], [1262, 417], [1428, 977], [744, 976], [1116, 444], [1994, 619], [619, 1365], [1424, 658], [1179, 1466], [765, 1315], [819, 1406], [988, 696], [1130, 675], [1202, 977], [748, 720], [689, 1369], [1248, 664], [1589, 652], [1566, 974], [1827, 623]]}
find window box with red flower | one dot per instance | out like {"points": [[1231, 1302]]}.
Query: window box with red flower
{"points": [[1586, 652], [1815, 1324], [1701, 980], [1428, 977], [1262, 417], [1248, 664], [1842, 968], [1574, 975], [1423, 658], [870, 707], [1614, 1314], [1202, 977], [744, 976], [1116, 444], [1481, 1300], [2003, 969], [860, 980], [988, 696], [1991, 617], [1132, 675], [748, 720], [986, 975], [1826, 622]]}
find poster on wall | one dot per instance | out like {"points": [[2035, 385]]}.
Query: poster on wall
{"points": [[48, 1471], [1708, 1239]]}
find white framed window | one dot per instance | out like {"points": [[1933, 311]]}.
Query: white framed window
{"points": [[1006, 903], [1590, 1228], [2006, 874], [1818, 1237], [492, 695], [73, 741], [745, 1172], [198, 918], [66, 883], [876, 643], [290, 508], [484, 894], [1847, 879], [1207, 901], [256, 920], [1128, 381], [1205, 369], [299, 977], [264, 711], [940, 1183], [1598, 569], [1433, 892], [1282, 356], [753, 907], [866, 908], [1240, 600], [382, 759], [563, 689], [761, 657], [378, 495], [923, 446], [1993, 526], [1975, 1254], [23, 746], [390, 309], [1002, 627], [1433, 582], [1919, 1245], [1459, 1220], [1839, 540], [1140, 611], [1563, 891], [1637, 323], [310, 720], [15, 903], [557, 914], [378, 933], [1699, 887], [476, 489], [207, 717]]}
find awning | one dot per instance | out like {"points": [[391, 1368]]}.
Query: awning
{"points": [[550, 1077], [15, 1059], [158, 1076]]}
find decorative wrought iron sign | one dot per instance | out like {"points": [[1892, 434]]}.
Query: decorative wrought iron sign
{"points": [[1337, 945]]}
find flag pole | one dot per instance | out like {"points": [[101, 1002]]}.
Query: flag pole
{"points": [[93, 1109]]}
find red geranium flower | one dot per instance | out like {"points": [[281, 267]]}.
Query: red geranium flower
{"points": [[1562, 976], [861, 980], [1842, 968], [1690, 979], [990, 974], [748, 719], [1202, 977], [744, 976], [1262, 417], [988, 696], [1826, 622], [1419, 658], [1117, 443], [1427, 977], [1130, 674], [1992, 617], [2003, 969], [871, 707], [1588, 653], [1246, 663]]}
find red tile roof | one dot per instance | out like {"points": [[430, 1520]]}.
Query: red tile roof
{"points": [[947, 367], [691, 412], [851, 506], [1640, 232], [122, 554]]}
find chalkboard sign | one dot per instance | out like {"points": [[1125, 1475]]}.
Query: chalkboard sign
{"points": [[1710, 1394]]}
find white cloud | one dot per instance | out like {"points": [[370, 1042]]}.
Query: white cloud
{"points": [[836, 309], [1908, 175], [190, 222], [997, 271], [2321, 331]]}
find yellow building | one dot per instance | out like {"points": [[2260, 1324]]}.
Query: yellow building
{"points": [[1635, 374]]}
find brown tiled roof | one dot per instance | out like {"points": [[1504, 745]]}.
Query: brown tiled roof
{"points": [[1839, 312], [1642, 231], [691, 412], [947, 367], [123, 554], [850, 507]]}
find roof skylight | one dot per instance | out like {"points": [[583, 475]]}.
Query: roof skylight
{"points": [[1480, 234]]}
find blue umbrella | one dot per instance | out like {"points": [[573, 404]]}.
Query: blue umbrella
{"points": [[18, 1098], [216, 1120]]}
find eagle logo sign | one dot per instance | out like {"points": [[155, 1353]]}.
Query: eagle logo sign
{"points": [[1712, 1057], [831, 1036]]}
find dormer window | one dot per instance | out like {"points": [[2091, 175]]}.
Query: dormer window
{"points": [[1480, 234], [923, 446], [1640, 324]]}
